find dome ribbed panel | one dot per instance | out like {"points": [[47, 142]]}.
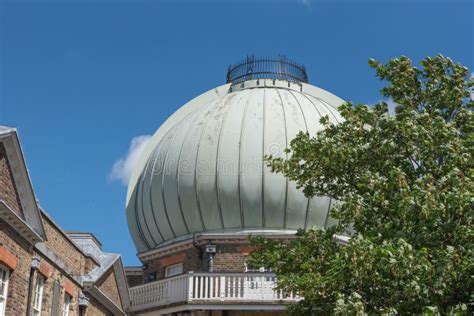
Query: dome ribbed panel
{"points": [[275, 191], [145, 191], [160, 208], [296, 203], [318, 207], [133, 224], [188, 170], [206, 172], [142, 221], [228, 162], [206, 175], [325, 109], [170, 181], [250, 168]]}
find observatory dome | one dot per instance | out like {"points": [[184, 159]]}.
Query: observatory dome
{"points": [[203, 172]]}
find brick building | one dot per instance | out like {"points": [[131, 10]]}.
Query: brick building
{"points": [[201, 187], [45, 270]]}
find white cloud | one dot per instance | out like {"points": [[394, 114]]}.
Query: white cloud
{"points": [[123, 168]]}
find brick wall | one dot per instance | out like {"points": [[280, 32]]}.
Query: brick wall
{"points": [[110, 288], [63, 247], [53, 275], [228, 258], [134, 280], [19, 278], [190, 260], [8, 191], [17, 253], [96, 309]]}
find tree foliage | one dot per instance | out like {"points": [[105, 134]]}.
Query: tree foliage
{"points": [[405, 191]]}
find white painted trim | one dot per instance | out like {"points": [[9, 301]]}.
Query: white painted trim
{"points": [[190, 307], [38, 294], [3, 304], [100, 296], [122, 283], [18, 224], [22, 180]]}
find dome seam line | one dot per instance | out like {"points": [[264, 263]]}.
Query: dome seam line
{"points": [[151, 202], [141, 182], [314, 105], [307, 131], [326, 106], [195, 173], [286, 146], [239, 181], [140, 232], [165, 209], [329, 109], [143, 215], [178, 177], [219, 206]]}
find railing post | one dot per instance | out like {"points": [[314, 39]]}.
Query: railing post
{"points": [[222, 287], [190, 285]]}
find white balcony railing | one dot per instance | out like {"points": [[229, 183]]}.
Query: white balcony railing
{"points": [[209, 288]]}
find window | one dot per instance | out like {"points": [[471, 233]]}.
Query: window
{"points": [[175, 269], [38, 295], [250, 268], [67, 304], [4, 276]]}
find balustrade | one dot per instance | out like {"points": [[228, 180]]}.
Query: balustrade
{"points": [[209, 288]]}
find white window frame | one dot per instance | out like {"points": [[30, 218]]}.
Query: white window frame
{"points": [[4, 278], [252, 269], [169, 270], [67, 304], [38, 298]]}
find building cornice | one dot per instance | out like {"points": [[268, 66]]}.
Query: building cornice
{"points": [[42, 249], [202, 240], [18, 224], [103, 299], [21, 177]]}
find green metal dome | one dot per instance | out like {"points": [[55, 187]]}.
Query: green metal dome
{"points": [[203, 170]]}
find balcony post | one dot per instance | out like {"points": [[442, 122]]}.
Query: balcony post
{"points": [[190, 285], [222, 287]]}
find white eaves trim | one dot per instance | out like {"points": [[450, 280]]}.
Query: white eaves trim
{"points": [[28, 201]]}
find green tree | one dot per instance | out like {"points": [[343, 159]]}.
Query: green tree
{"points": [[405, 191]]}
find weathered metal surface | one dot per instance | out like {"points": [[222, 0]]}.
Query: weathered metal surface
{"points": [[203, 170]]}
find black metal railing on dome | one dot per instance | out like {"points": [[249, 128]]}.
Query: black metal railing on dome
{"points": [[266, 68]]}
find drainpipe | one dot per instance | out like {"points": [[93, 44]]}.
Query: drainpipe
{"points": [[83, 303], [35, 263]]}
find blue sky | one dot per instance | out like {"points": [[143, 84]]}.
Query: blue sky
{"points": [[82, 79]]}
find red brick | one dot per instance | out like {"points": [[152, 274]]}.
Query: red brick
{"points": [[7, 258], [69, 288], [168, 261], [45, 269]]}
